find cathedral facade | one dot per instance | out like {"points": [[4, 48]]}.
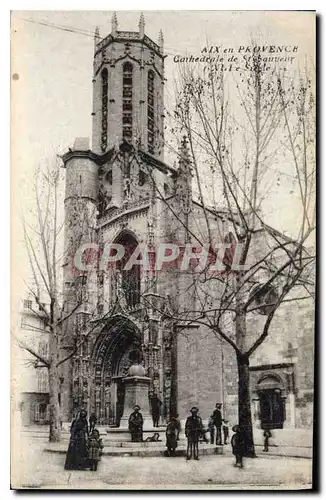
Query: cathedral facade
{"points": [[120, 191], [116, 192]]}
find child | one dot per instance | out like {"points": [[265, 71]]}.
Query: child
{"points": [[92, 422], [267, 435], [172, 433], [237, 445], [94, 449]]}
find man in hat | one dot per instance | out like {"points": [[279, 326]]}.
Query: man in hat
{"points": [[156, 409], [136, 425], [217, 418], [193, 429]]}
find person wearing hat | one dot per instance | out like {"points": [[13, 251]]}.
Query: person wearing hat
{"points": [[193, 429], [156, 404], [217, 417], [237, 444], [172, 433], [136, 425]]}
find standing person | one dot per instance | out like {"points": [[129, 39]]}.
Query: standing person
{"points": [[136, 425], [178, 424], [94, 449], [76, 457], [237, 445], [211, 428], [194, 429], [267, 435], [217, 415], [156, 404], [172, 433], [92, 422], [226, 431]]}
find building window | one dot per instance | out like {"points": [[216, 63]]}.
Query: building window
{"points": [[24, 323], [150, 111], [108, 176], [129, 280], [127, 101], [41, 412], [104, 138], [82, 279], [28, 304], [167, 190], [42, 376], [43, 348], [43, 324], [142, 177]]}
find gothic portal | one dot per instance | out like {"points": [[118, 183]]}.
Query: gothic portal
{"points": [[115, 349]]}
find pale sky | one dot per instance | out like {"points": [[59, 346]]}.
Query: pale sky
{"points": [[52, 99]]}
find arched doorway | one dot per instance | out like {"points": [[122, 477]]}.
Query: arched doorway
{"points": [[114, 351], [270, 392]]}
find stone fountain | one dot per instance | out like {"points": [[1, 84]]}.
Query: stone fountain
{"points": [[136, 393]]}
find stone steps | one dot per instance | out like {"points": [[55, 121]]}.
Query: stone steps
{"points": [[140, 450], [108, 434]]}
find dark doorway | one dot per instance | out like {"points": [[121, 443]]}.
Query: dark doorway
{"points": [[120, 400], [272, 409]]}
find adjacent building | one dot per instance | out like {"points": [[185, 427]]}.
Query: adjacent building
{"points": [[32, 374]]}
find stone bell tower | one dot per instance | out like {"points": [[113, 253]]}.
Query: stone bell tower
{"points": [[110, 196], [128, 82]]}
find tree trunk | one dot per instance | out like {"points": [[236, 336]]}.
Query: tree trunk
{"points": [[55, 423], [244, 407]]}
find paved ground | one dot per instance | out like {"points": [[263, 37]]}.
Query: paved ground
{"points": [[38, 469]]}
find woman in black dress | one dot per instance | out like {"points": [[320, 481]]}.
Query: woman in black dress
{"points": [[76, 458]]}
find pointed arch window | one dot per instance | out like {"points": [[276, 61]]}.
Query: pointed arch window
{"points": [[129, 280], [127, 101], [104, 137], [150, 111], [42, 379], [43, 348]]}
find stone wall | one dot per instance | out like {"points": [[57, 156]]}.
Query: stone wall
{"points": [[199, 371]]}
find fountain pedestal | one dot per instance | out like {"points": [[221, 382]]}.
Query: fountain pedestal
{"points": [[136, 393]]}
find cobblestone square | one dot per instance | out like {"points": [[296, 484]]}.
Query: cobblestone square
{"points": [[34, 468]]}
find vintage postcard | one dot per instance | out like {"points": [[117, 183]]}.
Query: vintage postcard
{"points": [[163, 249]]}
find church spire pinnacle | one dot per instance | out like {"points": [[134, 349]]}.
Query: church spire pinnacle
{"points": [[184, 151], [114, 24], [96, 36], [161, 40], [141, 25]]}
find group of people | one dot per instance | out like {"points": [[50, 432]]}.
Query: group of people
{"points": [[85, 445], [173, 428], [194, 431]]}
